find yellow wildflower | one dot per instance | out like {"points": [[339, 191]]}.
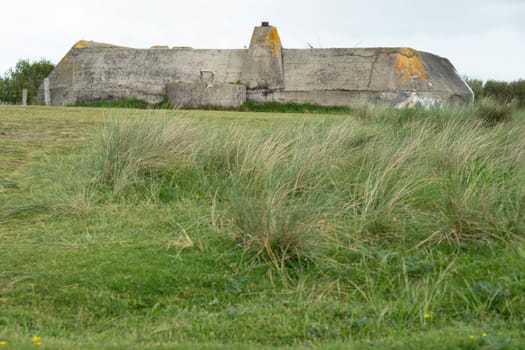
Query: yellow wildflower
{"points": [[483, 334], [427, 316], [3, 343], [36, 339], [471, 337]]}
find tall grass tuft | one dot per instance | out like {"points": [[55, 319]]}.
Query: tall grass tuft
{"points": [[129, 150], [277, 206], [296, 192]]}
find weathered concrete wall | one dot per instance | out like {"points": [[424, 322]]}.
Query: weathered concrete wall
{"points": [[386, 76], [327, 69], [96, 72], [202, 94]]}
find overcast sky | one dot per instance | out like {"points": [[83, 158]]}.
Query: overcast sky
{"points": [[482, 38]]}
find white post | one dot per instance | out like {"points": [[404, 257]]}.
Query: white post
{"points": [[24, 97], [47, 96]]}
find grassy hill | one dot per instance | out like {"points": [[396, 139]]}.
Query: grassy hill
{"points": [[133, 229]]}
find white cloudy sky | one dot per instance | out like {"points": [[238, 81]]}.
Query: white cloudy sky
{"points": [[483, 38]]}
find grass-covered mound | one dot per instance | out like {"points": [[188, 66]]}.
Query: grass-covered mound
{"points": [[377, 229]]}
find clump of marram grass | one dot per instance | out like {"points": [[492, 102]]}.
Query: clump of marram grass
{"points": [[480, 180], [288, 191], [382, 190], [426, 183], [127, 149], [277, 204], [277, 229]]}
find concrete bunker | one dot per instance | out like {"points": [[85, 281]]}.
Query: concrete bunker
{"points": [[264, 72]]}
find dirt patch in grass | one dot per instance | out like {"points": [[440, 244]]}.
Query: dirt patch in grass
{"points": [[35, 135], [25, 134]]}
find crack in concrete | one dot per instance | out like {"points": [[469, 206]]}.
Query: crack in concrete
{"points": [[372, 72]]}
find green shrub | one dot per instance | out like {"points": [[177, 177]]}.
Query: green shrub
{"points": [[493, 112], [517, 91], [292, 107], [25, 75], [501, 91], [476, 85], [498, 90]]}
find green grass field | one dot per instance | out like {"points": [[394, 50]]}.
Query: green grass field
{"points": [[158, 229]]}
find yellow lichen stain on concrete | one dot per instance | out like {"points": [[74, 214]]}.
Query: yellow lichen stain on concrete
{"points": [[274, 40], [409, 65], [82, 44], [270, 37]]}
